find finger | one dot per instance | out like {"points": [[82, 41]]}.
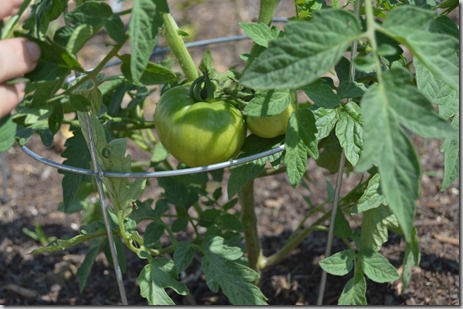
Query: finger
{"points": [[9, 7], [10, 96], [17, 57]]}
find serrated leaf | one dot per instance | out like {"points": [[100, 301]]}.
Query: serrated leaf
{"points": [[308, 50], [155, 277], [322, 94], [342, 228], [377, 267], [438, 52], [259, 33], [451, 150], [339, 264], [145, 20], [183, 255], [354, 292], [153, 233], [386, 145], [190, 186], [371, 197], [89, 13], [350, 90], [153, 74], [436, 90], [375, 224], [349, 131], [326, 119], [296, 152], [233, 278], [79, 37], [268, 103], [7, 133]]}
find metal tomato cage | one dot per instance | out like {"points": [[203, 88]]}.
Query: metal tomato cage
{"points": [[98, 173]]}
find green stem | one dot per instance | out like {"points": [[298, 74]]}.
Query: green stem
{"points": [[294, 242], [176, 44], [92, 74], [249, 221], [267, 9], [370, 34]]}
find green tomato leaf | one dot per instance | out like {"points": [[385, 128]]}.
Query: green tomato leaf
{"points": [[339, 264], [411, 258], [436, 90], [443, 24], [260, 33], [390, 149], [153, 233], [241, 174], [7, 133], [342, 227], [79, 37], [183, 255], [413, 109], [326, 119], [322, 94], [350, 90], [268, 103], [86, 267], [375, 223], [371, 197], [223, 271], [76, 154], [153, 74], [354, 292], [349, 131], [42, 14], [190, 186], [155, 277], [308, 50], [451, 150], [301, 131], [90, 13], [377, 267], [437, 52], [145, 20]]}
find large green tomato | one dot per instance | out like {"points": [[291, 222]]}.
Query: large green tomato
{"points": [[198, 133], [270, 126]]}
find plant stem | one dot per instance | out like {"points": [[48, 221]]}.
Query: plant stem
{"points": [[267, 9], [176, 44], [249, 221], [294, 242]]}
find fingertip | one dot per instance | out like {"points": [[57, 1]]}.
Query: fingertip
{"points": [[33, 50]]}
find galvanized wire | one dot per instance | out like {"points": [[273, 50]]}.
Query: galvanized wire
{"points": [[156, 174]]}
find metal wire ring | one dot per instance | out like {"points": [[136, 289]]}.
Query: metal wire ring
{"points": [[186, 171]]}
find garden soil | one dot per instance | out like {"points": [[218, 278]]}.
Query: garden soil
{"points": [[34, 193]]}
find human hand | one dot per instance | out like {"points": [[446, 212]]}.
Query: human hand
{"points": [[17, 57]]}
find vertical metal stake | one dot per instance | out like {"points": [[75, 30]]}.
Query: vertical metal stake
{"points": [[342, 162], [104, 209], [5, 197]]}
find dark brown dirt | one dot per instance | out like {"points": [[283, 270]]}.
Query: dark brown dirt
{"points": [[34, 192]]}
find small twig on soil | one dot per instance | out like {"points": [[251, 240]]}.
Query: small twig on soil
{"points": [[446, 239], [26, 293]]}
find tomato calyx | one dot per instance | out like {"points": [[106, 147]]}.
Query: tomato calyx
{"points": [[203, 89]]}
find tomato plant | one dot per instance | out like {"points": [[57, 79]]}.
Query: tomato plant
{"points": [[366, 99]]}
